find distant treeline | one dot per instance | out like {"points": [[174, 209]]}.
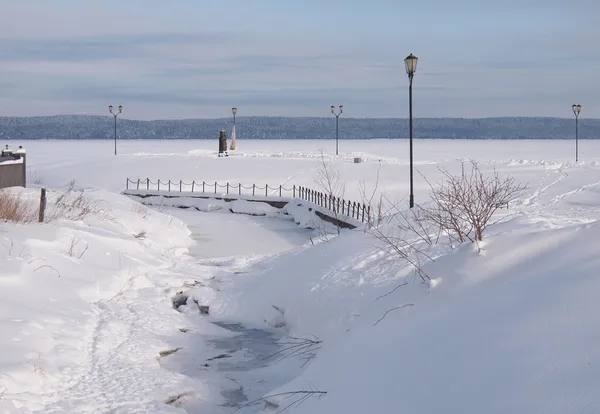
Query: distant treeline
{"points": [[100, 127]]}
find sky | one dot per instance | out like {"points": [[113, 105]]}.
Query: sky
{"points": [[199, 58]]}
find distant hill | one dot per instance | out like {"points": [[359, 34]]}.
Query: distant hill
{"points": [[101, 127]]}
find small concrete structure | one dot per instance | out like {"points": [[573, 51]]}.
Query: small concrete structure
{"points": [[13, 167]]}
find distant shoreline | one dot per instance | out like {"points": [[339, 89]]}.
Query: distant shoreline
{"points": [[87, 127]]}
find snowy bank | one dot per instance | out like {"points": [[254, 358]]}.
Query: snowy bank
{"points": [[511, 329], [82, 317]]}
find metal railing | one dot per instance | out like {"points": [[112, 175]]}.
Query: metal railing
{"points": [[337, 205]]}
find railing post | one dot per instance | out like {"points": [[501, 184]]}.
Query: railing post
{"points": [[215, 187], [169, 185], [193, 183], [266, 190], [294, 192], [180, 185], [127, 184], [240, 188], [147, 183], [227, 191], [203, 187], [280, 188], [253, 189], [138, 184]]}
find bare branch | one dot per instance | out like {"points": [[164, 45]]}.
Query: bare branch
{"points": [[393, 309]]}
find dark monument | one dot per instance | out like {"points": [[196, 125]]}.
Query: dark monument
{"points": [[223, 144]]}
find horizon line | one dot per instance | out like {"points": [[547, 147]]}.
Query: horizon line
{"points": [[293, 117]]}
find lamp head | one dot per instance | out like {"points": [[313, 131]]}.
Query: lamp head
{"points": [[341, 108], [411, 64], [332, 108], [110, 107], [234, 110]]}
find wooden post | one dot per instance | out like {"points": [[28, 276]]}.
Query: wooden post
{"points": [[147, 183], [253, 189], [240, 188], [294, 191], [138, 184], [227, 192], [180, 185], [193, 183], [42, 205], [266, 190]]}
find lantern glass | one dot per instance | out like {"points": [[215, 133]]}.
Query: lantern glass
{"points": [[411, 64]]}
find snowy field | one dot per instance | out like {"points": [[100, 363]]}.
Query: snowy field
{"points": [[105, 312]]}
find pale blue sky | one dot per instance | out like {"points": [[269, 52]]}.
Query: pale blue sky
{"points": [[198, 58]]}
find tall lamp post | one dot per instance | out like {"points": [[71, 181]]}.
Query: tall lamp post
{"points": [[337, 125], [411, 67], [576, 111], [115, 114], [233, 145]]}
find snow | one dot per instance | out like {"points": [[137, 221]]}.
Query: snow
{"points": [[273, 301]]}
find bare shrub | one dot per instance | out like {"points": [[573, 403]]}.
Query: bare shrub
{"points": [[15, 209], [376, 213], [328, 179], [464, 205], [402, 234], [74, 204]]}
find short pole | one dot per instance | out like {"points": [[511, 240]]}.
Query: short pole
{"points": [[42, 205]]}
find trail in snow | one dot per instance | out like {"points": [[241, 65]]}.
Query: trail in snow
{"points": [[235, 359]]}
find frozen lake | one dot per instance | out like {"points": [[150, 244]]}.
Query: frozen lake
{"points": [[294, 162]]}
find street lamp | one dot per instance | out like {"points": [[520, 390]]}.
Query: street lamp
{"points": [[411, 67], [115, 114], [233, 143], [337, 125], [576, 111]]}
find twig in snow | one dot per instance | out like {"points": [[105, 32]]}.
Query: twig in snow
{"points": [[392, 291], [49, 267], [304, 395], [393, 309], [303, 347]]}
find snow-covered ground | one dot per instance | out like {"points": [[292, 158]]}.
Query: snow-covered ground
{"points": [[108, 313]]}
